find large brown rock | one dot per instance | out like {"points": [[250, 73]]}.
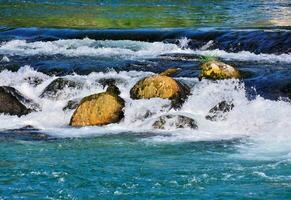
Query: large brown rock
{"points": [[99, 109], [161, 86], [12, 102], [218, 70]]}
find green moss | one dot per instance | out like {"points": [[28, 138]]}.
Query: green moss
{"points": [[207, 58]]}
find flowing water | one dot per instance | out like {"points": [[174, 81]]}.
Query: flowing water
{"points": [[245, 156]]}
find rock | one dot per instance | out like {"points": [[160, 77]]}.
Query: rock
{"points": [[110, 81], [286, 89], [218, 70], [220, 111], [99, 109], [72, 104], [177, 121], [161, 86], [53, 89], [12, 102], [26, 133], [169, 72], [33, 80]]}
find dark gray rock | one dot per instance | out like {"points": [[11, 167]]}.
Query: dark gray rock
{"points": [[12, 102], [33, 80], [219, 112], [176, 121], [53, 90], [178, 101], [27, 133], [72, 104]]}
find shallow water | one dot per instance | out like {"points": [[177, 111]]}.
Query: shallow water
{"points": [[245, 156], [145, 14]]}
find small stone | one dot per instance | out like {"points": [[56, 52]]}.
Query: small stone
{"points": [[176, 121], [220, 111]]}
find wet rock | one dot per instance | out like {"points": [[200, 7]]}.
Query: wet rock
{"points": [[169, 72], [144, 115], [110, 81], [99, 109], [12, 102], [72, 104], [27, 133], [176, 121], [34, 81], [53, 89], [218, 70], [161, 86], [220, 111], [286, 89]]}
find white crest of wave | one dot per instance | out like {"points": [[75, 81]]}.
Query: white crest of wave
{"points": [[246, 56], [88, 47], [127, 49]]}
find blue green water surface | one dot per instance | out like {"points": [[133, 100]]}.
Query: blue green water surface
{"points": [[128, 167]]}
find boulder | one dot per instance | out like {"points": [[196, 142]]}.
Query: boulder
{"points": [[99, 109], [12, 102], [161, 86], [220, 111], [52, 91], [176, 121], [218, 70]]}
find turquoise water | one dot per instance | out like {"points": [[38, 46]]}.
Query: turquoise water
{"points": [[127, 167]]}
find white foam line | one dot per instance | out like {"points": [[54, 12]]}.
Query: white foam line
{"points": [[126, 49]]}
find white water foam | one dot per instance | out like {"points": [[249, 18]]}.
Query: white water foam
{"points": [[127, 49], [264, 123]]}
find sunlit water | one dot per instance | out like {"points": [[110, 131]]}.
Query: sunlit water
{"points": [[245, 156], [144, 14]]}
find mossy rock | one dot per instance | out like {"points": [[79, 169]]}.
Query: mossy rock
{"points": [[218, 70], [99, 109], [161, 86], [12, 102]]}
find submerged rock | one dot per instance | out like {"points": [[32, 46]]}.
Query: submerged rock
{"points": [[53, 89], [12, 102], [161, 86], [220, 111], [218, 70], [27, 133], [176, 121], [99, 109]]}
